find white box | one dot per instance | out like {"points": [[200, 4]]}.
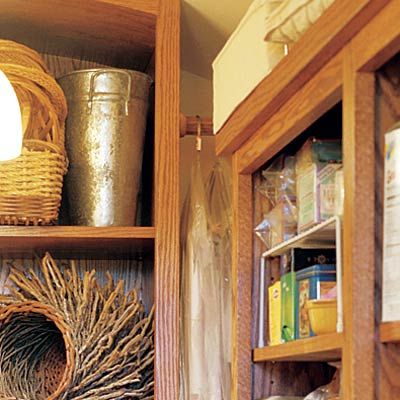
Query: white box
{"points": [[291, 19], [244, 62], [391, 235]]}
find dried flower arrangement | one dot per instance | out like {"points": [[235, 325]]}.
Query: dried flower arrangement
{"points": [[65, 337]]}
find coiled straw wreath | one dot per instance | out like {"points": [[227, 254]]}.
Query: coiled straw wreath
{"points": [[65, 337]]}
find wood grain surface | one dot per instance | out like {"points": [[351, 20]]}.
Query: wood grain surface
{"points": [[242, 268], [318, 95], [389, 332], [388, 385], [322, 40], [379, 40], [59, 65], [166, 178], [277, 378], [189, 125], [119, 33], [293, 378], [358, 231], [145, 6], [75, 241], [319, 348], [370, 368]]}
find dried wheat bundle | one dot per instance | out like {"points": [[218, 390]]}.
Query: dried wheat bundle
{"points": [[65, 337]]}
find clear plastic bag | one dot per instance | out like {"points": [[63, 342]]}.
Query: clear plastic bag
{"points": [[279, 184], [279, 224], [287, 180], [269, 189], [328, 392], [205, 288]]}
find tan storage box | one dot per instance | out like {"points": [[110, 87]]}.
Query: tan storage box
{"points": [[291, 19], [244, 61]]}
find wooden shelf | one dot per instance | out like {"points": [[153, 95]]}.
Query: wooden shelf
{"points": [[390, 332], [74, 241], [113, 32], [322, 235], [338, 59], [321, 41], [318, 348]]}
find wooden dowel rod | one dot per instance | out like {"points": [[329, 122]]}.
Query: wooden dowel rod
{"points": [[188, 126]]}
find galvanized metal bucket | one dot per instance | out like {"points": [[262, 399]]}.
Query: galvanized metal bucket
{"points": [[105, 132]]}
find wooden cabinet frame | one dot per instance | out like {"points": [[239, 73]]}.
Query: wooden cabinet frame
{"points": [[337, 59], [127, 34]]}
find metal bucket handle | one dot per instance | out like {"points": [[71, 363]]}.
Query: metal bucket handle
{"points": [[92, 91]]}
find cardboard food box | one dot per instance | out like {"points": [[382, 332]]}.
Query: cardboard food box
{"points": [[288, 294], [316, 194], [297, 258], [312, 283], [274, 313], [292, 261], [320, 152]]}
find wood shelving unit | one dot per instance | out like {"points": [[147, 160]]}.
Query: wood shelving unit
{"points": [[112, 31], [326, 235], [77, 241], [318, 348], [76, 232], [324, 39], [390, 332], [337, 61], [134, 34], [320, 236]]}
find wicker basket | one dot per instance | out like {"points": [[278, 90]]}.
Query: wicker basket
{"points": [[50, 357], [31, 185], [63, 336]]}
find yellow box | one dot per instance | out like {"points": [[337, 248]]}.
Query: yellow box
{"points": [[274, 312], [323, 315]]}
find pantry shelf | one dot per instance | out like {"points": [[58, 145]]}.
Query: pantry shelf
{"points": [[82, 29], [318, 348], [390, 332], [74, 241], [330, 32], [320, 236]]}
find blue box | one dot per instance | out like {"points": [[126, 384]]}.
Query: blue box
{"points": [[311, 284]]}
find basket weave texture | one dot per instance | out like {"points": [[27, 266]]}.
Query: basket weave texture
{"points": [[65, 337], [31, 185]]}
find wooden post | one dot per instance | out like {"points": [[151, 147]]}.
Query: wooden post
{"points": [[166, 200], [242, 232], [358, 231]]}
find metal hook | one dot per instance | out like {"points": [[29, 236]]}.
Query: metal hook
{"points": [[198, 136]]}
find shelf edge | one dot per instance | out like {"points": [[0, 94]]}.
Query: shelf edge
{"points": [[76, 232], [320, 43], [324, 347], [389, 332], [144, 6]]}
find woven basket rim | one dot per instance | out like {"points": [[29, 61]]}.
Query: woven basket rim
{"points": [[35, 307]]}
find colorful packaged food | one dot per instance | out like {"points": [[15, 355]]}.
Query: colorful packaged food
{"points": [[274, 313], [312, 283], [288, 294], [292, 261], [316, 195]]}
